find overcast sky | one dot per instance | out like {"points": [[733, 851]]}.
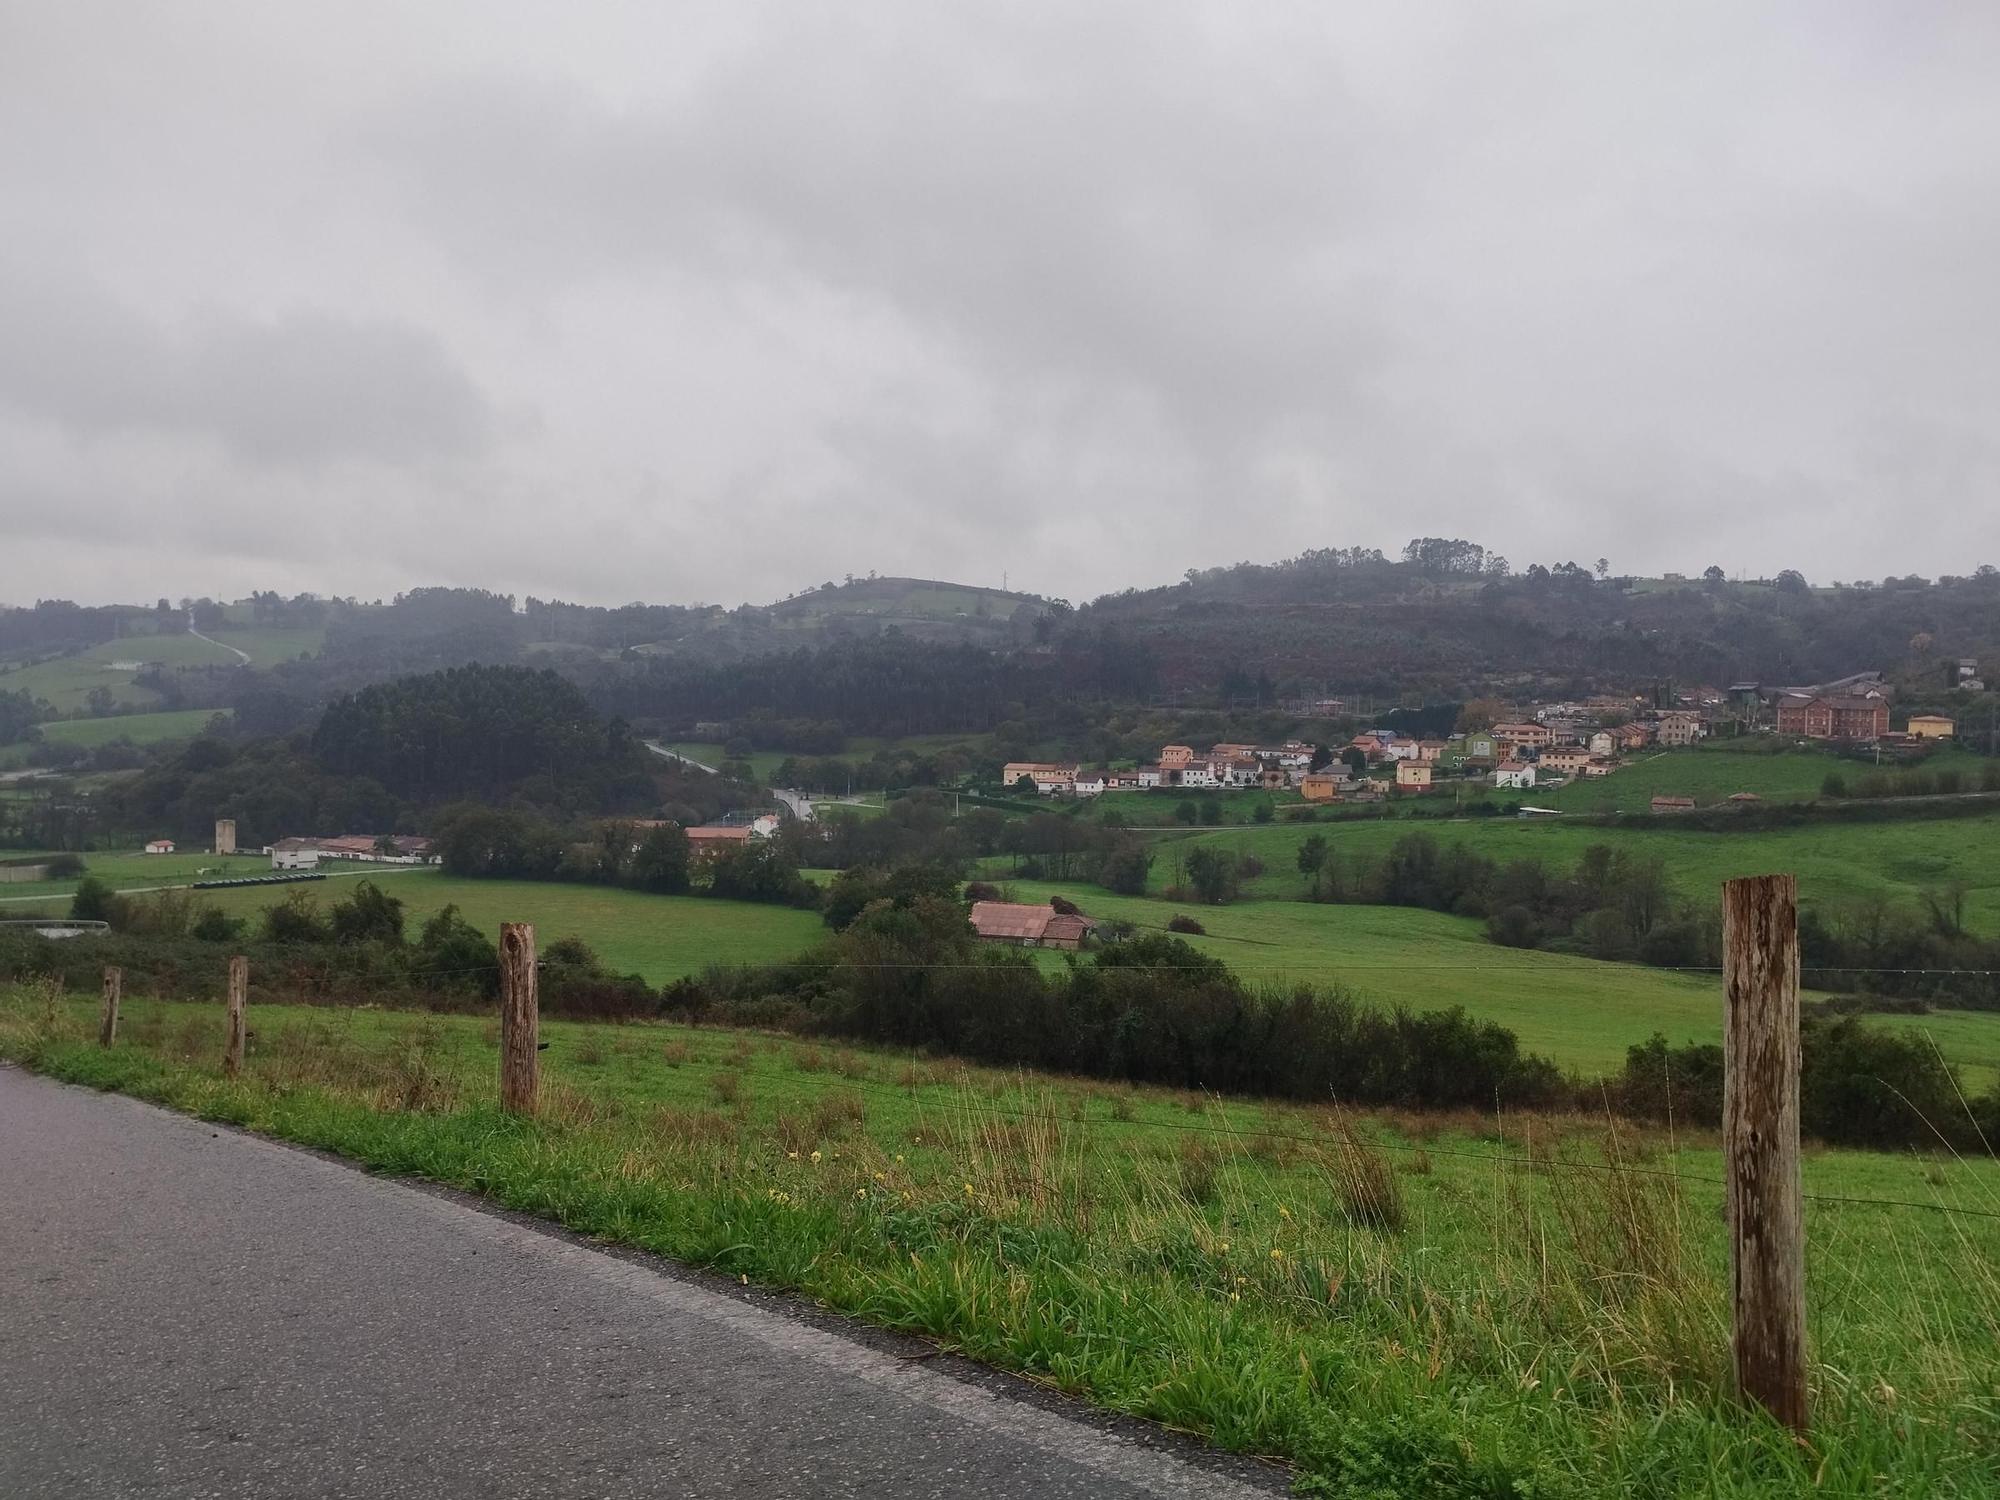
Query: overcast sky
{"points": [[681, 303]]}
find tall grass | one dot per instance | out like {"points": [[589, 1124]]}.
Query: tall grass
{"points": [[1538, 1314]]}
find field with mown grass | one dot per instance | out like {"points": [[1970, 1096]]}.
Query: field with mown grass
{"points": [[1399, 1305], [1838, 864]]}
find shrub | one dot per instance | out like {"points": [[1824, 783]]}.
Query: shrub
{"points": [[94, 901], [1180, 923]]}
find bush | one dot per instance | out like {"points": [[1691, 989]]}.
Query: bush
{"points": [[63, 867], [215, 926], [94, 901], [1179, 923]]}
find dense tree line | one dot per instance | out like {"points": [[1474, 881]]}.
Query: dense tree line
{"points": [[357, 950], [484, 732], [492, 843], [1860, 1085], [890, 686]]}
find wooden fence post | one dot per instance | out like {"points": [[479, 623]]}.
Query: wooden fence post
{"points": [[239, 993], [520, 1020], [114, 989], [1760, 1142]]}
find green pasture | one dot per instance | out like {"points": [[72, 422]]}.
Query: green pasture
{"points": [[1838, 864], [661, 937], [66, 681], [140, 729], [1717, 770]]}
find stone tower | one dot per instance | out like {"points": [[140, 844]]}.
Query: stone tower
{"points": [[225, 835]]}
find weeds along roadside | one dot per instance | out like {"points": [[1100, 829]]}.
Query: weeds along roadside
{"points": [[1425, 1320]]}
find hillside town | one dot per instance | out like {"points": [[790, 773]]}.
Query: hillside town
{"points": [[1541, 746]]}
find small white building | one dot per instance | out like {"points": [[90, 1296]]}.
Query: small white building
{"points": [[1604, 742], [1147, 776], [1088, 784], [160, 846], [1200, 773], [1514, 773]]}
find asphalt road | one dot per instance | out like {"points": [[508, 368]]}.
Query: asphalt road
{"points": [[189, 1311]]}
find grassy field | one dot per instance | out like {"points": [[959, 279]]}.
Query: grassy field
{"points": [[1401, 1306], [662, 937], [1715, 771], [1579, 1011], [267, 647], [1838, 864], [66, 681], [141, 729]]}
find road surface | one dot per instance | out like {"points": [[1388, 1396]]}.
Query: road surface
{"points": [[242, 656], [188, 1311]]}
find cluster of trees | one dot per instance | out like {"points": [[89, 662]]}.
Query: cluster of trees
{"points": [[356, 950], [1860, 1085], [484, 732], [906, 971], [889, 686], [57, 625], [495, 843], [20, 712], [274, 788], [1464, 619], [1925, 955]]}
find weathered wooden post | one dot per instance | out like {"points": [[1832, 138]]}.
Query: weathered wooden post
{"points": [[239, 993], [520, 1020], [1760, 1142], [114, 988]]}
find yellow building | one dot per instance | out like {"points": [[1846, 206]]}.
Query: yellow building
{"points": [[1932, 727]]}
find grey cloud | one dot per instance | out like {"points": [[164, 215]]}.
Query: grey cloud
{"points": [[303, 388], [1090, 294]]}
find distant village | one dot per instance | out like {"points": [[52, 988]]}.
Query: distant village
{"points": [[1547, 746]]}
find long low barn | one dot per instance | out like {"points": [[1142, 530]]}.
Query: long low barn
{"points": [[1030, 926]]}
